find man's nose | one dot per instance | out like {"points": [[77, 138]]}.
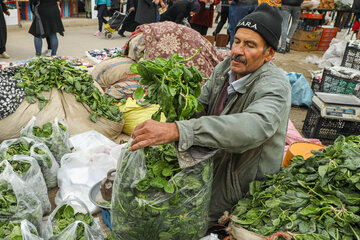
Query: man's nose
{"points": [[238, 49]]}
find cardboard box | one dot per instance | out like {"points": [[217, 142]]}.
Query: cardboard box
{"points": [[300, 45], [308, 35]]}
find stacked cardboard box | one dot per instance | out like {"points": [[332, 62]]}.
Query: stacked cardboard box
{"points": [[306, 40], [328, 34]]}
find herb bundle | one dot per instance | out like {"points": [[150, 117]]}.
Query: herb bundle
{"points": [[43, 74], [314, 199]]}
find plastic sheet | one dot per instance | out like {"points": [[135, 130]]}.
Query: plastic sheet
{"points": [[301, 92], [27, 229], [154, 214]]}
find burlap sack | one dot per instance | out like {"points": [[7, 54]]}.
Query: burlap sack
{"points": [[124, 88], [238, 233], [111, 70], [63, 106], [136, 48]]}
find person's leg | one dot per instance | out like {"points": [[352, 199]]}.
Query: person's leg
{"points": [[48, 43], [38, 45], [223, 19], [196, 27], [2, 49], [284, 26], [54, 43], [295, 15]]}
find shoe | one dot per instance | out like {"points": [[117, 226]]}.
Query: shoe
{"points": [[281, 51], [122, 35], [287, 48], [97, 33], [4, 55], [47, 52]]}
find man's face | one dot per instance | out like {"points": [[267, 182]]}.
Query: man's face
{"points": [[247, 52]]}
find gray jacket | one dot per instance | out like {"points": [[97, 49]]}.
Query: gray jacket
{"points": [[249, 135]]}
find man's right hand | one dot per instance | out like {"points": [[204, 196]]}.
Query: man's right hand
{"points": [[151, 133], [132, 9]]}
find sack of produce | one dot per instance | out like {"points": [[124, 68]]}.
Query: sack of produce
{"points": [[28, 170], [18, 201], [55, 88], [27, 146], [55, 136], [153, 198], [23, 230], [71, 220], [316, 198]]}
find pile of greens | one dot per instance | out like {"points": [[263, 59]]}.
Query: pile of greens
{"points": [[172, 85], [315, 199], [65, 216], [43, 74], [153, 198]]}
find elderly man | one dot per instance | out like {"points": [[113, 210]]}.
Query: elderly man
{"points": [[247, 103]]}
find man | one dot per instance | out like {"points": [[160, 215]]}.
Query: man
{"points": [[289, 8], [247, 103], [3, 32], [239, 9], [180, 10]]}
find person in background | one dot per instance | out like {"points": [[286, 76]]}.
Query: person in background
{"points": [[224, 16], [201, 21], [146, 11], [3, 30], [103, 7], [129, 23], [243, 127], [180, 10], [218, 11], [238, 10], [46, 23], [115, 6], [289, 8], [47, 52]]}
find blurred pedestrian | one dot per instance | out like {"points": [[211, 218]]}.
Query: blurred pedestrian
{"points": [[115, 6], [129, 23], [146, 11], [201, 21], [218, 12], [103, 8], [180, 10], [289, 8], [224, 13], [238, 10], [3, 30], [46, 23]]}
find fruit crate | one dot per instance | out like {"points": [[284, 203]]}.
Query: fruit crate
{"points": [[351, 58], [340, 80], [327, 129]]}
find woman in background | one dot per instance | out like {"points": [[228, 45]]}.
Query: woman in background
{"points": [[103, 8], [3, 31], [46, 23]]}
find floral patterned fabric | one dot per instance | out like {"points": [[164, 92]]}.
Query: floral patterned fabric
{"points": [[162, 39]]}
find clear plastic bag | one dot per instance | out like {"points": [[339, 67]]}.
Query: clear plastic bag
{"points": [[34, 179], [48, 165], [58, 142], [91, 232], [27, 205], [154, 214], [28, 231]]}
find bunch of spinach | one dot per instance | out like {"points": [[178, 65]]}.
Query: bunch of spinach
{"points": [[55, 136], [8, 202], [314, 199], [12, 231], [65, 216], [171, 84], [43, 74]]}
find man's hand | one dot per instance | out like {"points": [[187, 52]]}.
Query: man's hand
{"points": [[150, 133], [7, 12], [108, 8], [132, 9]]}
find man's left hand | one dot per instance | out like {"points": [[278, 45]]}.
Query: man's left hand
{"points": [[7, 12], [151, 133], [108, 8]]}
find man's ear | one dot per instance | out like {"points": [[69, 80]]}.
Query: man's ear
{"points": [[269, 54]]}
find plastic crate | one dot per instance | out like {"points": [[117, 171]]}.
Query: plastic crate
{"points": [[340, 80], [107, 218], [351, 58], [326, 129]]}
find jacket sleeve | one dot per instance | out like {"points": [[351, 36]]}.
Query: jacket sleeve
{"points": [[96, 2], [108, 3], [239, 132]]}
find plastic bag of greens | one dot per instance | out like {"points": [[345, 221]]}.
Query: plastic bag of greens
{"points": [[55, 136], [18, 201], [154, 199], [28, 170], [27, 146], [23, 230], [72, 220]]}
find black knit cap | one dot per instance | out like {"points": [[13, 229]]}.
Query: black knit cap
{"points": [[265, 20]]}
